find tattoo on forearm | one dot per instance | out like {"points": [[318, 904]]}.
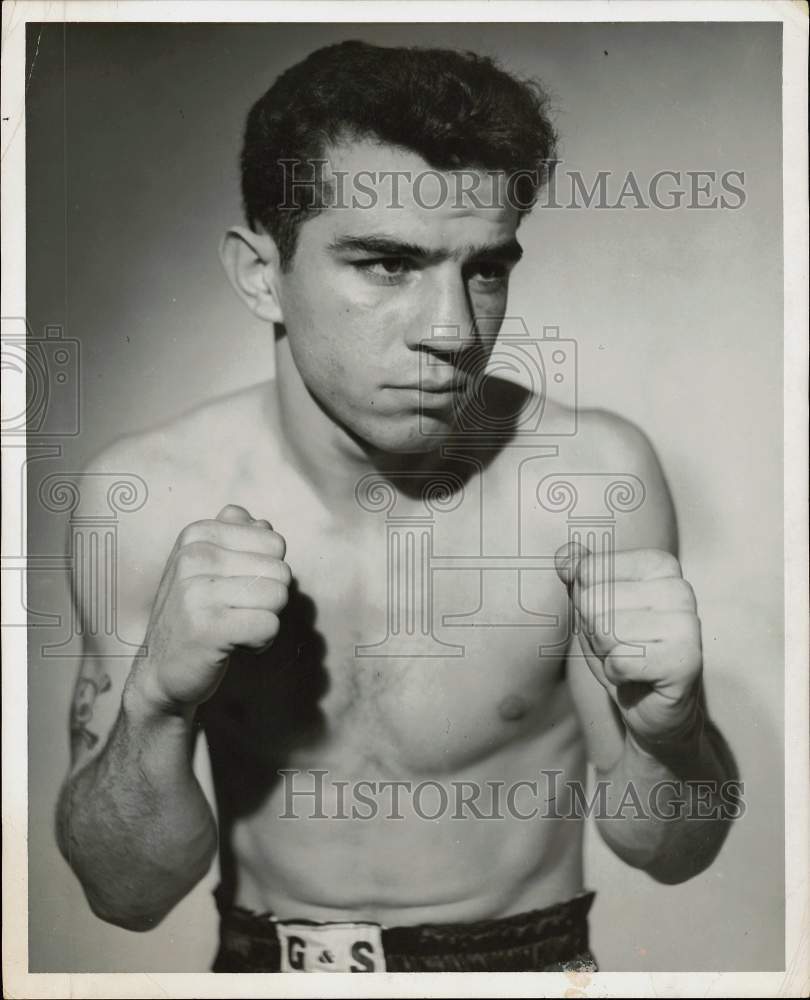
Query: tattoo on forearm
{"points": [[81, 715]]}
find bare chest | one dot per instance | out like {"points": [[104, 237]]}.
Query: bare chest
{"points": [[413, 637]]}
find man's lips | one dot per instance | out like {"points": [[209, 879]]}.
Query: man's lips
{"points": [[434, 388], [435, 396]]}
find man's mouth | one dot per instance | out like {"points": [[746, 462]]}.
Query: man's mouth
{"points": [[449, 386], [439, 397]]}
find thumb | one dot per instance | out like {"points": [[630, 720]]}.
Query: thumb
{"points": [[566, 561], [231, 514]]}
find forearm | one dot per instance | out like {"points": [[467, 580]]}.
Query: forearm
{"points": [[688, 792], [134, 824]]}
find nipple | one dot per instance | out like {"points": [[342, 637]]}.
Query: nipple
{"points": [[513, 707]]}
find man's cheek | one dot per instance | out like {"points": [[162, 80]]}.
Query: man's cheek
{"points": [[367, 301], [347, 291], [489, 312]]}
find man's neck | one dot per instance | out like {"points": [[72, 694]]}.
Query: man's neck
{"points": [[323, 451]]}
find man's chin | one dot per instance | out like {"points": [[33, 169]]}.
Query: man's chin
{"points": [[416, 434]]}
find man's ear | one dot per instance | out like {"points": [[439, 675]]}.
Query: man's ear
{"points": [[251, 262]]}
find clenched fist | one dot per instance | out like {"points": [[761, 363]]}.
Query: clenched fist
{"points": [[224, 586], [640, 634]]}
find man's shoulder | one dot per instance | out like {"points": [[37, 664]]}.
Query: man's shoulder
{"points": [[514, 416], [203, 439], [592, 438], [603, 438], [182, 467], [601, 444], [608, 445]]}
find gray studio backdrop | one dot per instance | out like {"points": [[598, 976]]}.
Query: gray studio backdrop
{"points": [[133, 135]]}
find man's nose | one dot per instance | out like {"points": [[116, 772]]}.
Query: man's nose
{"points": [[447, 324]]}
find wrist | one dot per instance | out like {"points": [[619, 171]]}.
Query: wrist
{"points": [[145, 702], [156, 735], [683, 744]]}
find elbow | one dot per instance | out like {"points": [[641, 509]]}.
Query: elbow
{"points": [[664, 867], [111, 908], [674, 867], [128, 920], [135, 887], [676, 872], [670, 860], [143, 906]]}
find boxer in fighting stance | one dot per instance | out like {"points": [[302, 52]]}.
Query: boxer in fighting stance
{"points": [[260, 584]]}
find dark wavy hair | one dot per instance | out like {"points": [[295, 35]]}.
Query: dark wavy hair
{"points": [[455, 109]]}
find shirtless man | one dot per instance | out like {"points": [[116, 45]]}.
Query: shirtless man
{"points": [[261, 576]]}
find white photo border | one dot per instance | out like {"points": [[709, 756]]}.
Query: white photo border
{"points": [[795, 979]]}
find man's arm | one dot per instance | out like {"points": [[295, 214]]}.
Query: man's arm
{"points": [[666, 812], [132, 820], [665, 766]]}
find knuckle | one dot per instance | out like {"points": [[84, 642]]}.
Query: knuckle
{"points": [[193, 532], [188, 534], [613, 669], [190, 597], [273, 625], [280, 595], [686, 632], [197, 553], [685, 595], [586, 572], [666, 563], [278, 544], [284, 572], [265, 631]]}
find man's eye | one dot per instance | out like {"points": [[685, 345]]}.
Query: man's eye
{"points": [[490, 274], [386, 269]]}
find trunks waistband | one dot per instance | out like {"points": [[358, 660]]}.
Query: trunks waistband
{"points": [[554, 938]]}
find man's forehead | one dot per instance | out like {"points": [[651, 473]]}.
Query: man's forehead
{"points": [[371, 183]]}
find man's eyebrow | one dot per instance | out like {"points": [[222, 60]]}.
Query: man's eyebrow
{"points": [[509, 250], [384, 245], [392, 246]]}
